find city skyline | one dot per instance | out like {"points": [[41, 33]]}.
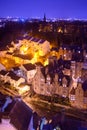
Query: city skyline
{"points": [[35, 9]]}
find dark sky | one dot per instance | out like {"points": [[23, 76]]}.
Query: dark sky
{"points": [[37, 8]]}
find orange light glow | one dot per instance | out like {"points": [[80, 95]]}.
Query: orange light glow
{"points": [[24, 49], [46, 62], [39, 53]]}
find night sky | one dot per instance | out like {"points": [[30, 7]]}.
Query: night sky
{"points": [[36, 8]]}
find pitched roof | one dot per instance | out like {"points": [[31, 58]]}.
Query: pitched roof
{"points": [[72, 91], [2, 67], [29, 37], [25, 57], [20, 115], [49, 73], [36, 40], [13, 76], [84, 85], [39, 64], [3, 72], [16, 68], [85, 93], [29, 66], [42, 41], [33, 39]]}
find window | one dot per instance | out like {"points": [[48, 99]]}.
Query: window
{"points": [[64, 85], [72, 97], [42, 79], [48, 82], [64, 93], [85, 100]]}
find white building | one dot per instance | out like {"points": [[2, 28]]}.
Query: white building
{"points": [[29, 70]]}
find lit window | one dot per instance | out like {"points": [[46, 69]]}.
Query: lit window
{"points": [[42, 79], [72, 97], [64, 85], [48, 78], [64, 95], [60, 80], [78, 51], [48, 82]]}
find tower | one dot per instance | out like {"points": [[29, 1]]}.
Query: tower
{"points": [[44, 19]]}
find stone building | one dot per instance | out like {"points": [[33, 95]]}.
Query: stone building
{"points": [[78, 96], [47, 82]]}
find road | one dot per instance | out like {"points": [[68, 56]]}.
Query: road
{"points": [[45, 108]]}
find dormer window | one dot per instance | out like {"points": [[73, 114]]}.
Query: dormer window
{"points": [[64, 85], [48, 78]]}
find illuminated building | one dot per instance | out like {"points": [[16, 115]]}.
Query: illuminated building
{"points": [[28, 71]]}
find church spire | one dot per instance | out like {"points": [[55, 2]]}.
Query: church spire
{"points": [[44, 19]]}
